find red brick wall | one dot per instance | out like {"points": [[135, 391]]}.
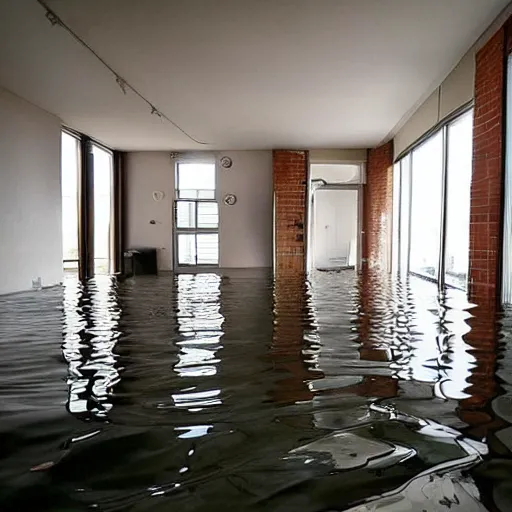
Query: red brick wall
{"points": [[378, 207], [290, 193], [486, 185]]}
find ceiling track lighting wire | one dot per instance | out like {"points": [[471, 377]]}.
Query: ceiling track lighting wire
{"points": [[54, 19]]}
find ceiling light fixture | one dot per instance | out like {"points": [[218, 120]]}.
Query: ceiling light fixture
{"points": [[123, 84], [52, 18], [155, 112]]}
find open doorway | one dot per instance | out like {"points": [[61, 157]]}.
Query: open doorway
{"points": [[334, 241]]}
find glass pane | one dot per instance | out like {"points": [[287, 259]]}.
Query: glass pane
{"points": [[69, 183], [208, 249], [103, 167], [206, 194], [196, 194], [460, 147], [187, 194], [196, 177], [427, 170], [186, 249], [395, 238], [207, 215], [507, 221], [186, 214], [405, 213]]}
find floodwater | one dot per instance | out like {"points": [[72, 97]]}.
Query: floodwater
{"points": [[216, 393]]}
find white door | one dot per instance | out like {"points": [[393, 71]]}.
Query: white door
{"points": [[335, 221]]}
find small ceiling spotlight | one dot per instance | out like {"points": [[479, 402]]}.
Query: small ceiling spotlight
{"points": [[52, 18], [155, 112], [122, 83]]}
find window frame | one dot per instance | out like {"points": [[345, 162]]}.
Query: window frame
{"points": [[177, 266], [86, 206], [443, 128]]}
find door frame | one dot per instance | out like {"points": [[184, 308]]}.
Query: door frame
{"points": [[359, 238]]}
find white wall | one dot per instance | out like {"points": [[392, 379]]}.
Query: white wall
{"points": [[330, 156], [246, 228], [334, 230], [245, 231], [146, 172], [30, 195], [336, 173]]}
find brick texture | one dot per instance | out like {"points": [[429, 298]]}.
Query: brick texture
{"points": [[483, 386], [378, 207], [293, 320], [488, 160], [290, 193]]}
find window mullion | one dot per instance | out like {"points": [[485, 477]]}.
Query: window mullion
{"points": [[442, 244]]}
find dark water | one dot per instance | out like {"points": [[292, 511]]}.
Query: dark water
{"points": [[206, 393]]}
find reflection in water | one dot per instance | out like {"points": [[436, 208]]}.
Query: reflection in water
{"points": [[91, 318], [294, 348], [202, 392], [199, 337]]}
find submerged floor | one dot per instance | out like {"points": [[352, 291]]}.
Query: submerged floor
{"points": [[201, 392]]}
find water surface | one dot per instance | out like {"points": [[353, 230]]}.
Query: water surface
{"points": [[206, 392]]}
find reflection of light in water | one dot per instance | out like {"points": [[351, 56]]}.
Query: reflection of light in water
{"points": [[191, 359], [195, 401], [437, 352], [91, 322], [199, 325], [193, 431], [405, 330]]}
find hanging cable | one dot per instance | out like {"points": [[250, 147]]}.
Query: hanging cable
{"points": [[54, 19]]}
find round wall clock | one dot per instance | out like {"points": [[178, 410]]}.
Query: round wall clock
{"points": [[230, 199], [226, 162]]}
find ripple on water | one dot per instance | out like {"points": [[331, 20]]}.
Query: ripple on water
{"points": [[207, 392]]}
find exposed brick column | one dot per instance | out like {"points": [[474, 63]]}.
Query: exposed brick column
{"points": [[488, 164], [378, 207], [290, 191]]}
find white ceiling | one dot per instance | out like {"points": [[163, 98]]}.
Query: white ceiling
{"points": [[239, 74]]}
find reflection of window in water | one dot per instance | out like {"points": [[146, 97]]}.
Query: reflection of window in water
{"points": [[437, 353], [89, 342], [199, 326]]}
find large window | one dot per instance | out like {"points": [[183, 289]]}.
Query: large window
{"points": [[196, 216], [70, 165], [91, 199], [506, 291], [460, 147], [103, 232], [405, 208], [426, 204], [432, 207]]}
